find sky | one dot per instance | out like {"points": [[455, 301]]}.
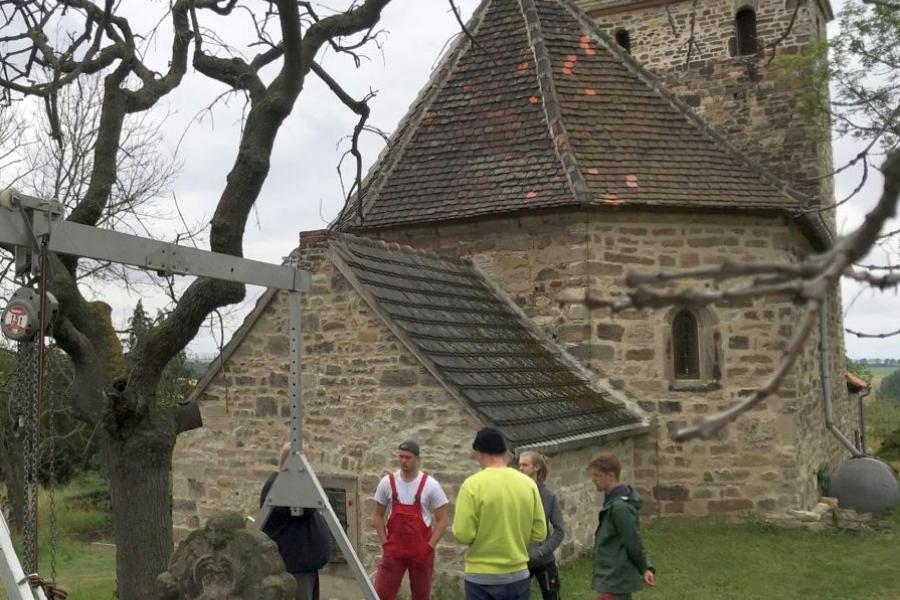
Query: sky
{"points": [[303, 191]]}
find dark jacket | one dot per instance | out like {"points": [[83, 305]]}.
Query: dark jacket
{"points": [[541, 553], [303, 541], [619, 558]]}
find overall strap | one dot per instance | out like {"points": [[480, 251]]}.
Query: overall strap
{"points": [[395, 498], [421, 487]]}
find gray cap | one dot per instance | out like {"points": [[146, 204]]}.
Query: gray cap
{"points": [[410, 446]]}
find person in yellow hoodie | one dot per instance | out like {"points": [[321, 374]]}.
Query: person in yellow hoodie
{"points": [[498, 513]]}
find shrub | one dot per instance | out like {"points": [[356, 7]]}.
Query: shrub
{"points": [[890, 387]]}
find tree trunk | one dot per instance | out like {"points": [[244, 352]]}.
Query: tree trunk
{"points": [[140, 466]]}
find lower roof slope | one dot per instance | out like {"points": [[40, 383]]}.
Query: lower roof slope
{"points": [[482, 348]]}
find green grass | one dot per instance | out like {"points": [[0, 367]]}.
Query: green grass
{"points": [[880, 371], [696, 559], [86, 569], [700, 559]]}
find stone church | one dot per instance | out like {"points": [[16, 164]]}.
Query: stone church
{"points": [[564, 145]]}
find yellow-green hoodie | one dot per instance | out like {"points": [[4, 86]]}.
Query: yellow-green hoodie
{"points": [[498, 513]]}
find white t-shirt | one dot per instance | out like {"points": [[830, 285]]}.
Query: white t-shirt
{"points": [[433, 496]]}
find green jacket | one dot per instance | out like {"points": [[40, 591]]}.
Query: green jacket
{"points": [[619, 558]]}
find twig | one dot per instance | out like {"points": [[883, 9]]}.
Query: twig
{"points": [[860, 334], [713, 423]]}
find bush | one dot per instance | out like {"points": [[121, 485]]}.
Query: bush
{"points": [[889, 449], [890, 387]]}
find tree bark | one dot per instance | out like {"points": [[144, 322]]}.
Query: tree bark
{"points": [[140, 467]]}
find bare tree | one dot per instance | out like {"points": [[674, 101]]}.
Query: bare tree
{"points": [[60, 168], [137, 430], [13, 144]]}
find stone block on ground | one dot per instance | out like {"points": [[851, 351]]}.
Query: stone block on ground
{"points": [[229, 559]]}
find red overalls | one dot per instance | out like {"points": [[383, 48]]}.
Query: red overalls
{"points": [[406, 548]]}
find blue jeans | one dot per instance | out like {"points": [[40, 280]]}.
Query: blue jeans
{"points": [[519, 590]]}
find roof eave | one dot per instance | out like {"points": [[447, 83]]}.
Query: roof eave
{"points": [[574, 442], [816, 230]]}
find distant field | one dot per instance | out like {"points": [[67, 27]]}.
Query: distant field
{"points": [[881, 371]]}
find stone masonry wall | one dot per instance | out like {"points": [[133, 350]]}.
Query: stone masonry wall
{"points": [[363, 394], [758, 464], [757, 103]]}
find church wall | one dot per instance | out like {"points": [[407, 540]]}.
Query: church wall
{"points": [[762, 463], [760, 105], [364, 393]]}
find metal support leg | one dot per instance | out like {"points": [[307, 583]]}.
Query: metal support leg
{"points": [[11, 574], [297, 486]]}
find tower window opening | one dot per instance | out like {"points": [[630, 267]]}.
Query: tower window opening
{"points": [[745, 31], [623, 38], [685, 342]]}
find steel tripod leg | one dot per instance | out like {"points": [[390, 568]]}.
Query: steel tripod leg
{"points": [[359, 572], [297, 488], [12, 577]]}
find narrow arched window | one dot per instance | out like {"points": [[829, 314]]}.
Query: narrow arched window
{"points": [[685, 345], [624, 39], [745, 31]]}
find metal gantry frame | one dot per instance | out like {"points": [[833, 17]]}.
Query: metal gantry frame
{"points": [[27, 222]]}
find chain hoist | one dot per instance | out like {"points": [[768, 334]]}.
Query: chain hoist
{"points": [[25, 319]]}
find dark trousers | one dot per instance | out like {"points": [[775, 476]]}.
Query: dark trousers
{"points": [[307, 586], [519, 590], [547, 577]]}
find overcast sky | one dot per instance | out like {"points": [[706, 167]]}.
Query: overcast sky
{"points": [[303, 191]]}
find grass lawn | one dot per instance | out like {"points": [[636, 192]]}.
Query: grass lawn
{"points": [[881, 371], [85, 566], [699, 559], [696, 559]]}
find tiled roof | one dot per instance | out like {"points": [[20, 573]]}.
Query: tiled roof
{"points": [[856, 383], [546, 110], [482, 348]]}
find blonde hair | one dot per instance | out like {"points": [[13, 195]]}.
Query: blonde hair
{"points": [[540, 462], [283, 454]]}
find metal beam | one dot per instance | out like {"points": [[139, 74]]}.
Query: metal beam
{"points": [[103, 244], [46, 218]]}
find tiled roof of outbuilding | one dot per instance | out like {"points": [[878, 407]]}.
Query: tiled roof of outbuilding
{"points": [[546, 110], [483, 349]]}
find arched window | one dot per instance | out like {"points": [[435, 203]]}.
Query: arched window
{"points": [[745, 31], [686, 345], [624, 39]]}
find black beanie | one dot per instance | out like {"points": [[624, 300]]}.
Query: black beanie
{"points": [[490, 441]]}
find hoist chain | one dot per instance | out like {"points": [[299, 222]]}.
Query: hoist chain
{"points": [[50, 404], [26, 402]]}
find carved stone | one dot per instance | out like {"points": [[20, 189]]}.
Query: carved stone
{"points": [[229, 559]]}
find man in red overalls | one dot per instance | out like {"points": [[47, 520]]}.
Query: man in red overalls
{"points": [[416, 509]]}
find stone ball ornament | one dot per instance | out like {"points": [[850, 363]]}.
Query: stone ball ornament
{"points": [[866, 485]]}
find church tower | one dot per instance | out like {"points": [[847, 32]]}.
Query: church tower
{"points": [[717, 55]]}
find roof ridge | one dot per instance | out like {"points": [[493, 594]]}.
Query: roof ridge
{"points": [[706, 128], [408, 125], [551, 104], [396, 247]]}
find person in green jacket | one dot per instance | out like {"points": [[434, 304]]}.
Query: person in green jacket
{"points": [[621, 566], [498, 513]]}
